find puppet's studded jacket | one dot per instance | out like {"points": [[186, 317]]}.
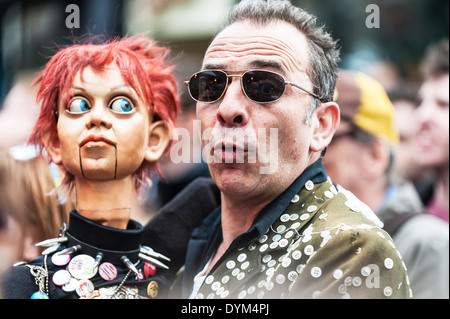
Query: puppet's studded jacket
{"points": [[88, 261]]}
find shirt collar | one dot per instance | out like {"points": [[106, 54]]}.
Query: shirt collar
{"points": [[267, 216]]}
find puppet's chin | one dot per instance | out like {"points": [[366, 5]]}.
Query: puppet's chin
{"points": [[98, 162]]}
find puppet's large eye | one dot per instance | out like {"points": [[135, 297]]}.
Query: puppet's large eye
{"points": [[121, 105], [78, 105]]}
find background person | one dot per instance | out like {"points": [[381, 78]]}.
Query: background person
{"points": [[406, 163], [31, 210], [433, 123], [360, 158]]}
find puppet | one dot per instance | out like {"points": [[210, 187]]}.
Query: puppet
{"points": [[106, 115]]}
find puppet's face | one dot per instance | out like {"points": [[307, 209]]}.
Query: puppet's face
{"points": [[104, 130]]}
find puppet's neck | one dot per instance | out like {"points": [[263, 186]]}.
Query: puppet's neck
{"points": [[105, 202]]}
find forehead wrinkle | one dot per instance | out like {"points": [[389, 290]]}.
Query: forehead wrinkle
{"points": [[238, 48]]}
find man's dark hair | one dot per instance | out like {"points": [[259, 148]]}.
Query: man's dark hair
{"points": [[436, 62]]}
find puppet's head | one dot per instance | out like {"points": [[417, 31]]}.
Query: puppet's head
{"points": [[107, 109]]}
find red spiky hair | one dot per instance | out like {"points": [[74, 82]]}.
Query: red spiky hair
{"points": [[143, 66]]}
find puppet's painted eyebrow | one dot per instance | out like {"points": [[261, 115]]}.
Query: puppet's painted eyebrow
{"points": [[78, 88], [113, 89], [124, 89], [120, 87]]}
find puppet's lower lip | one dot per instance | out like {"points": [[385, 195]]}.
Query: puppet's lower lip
{"points": [[96, 144]]}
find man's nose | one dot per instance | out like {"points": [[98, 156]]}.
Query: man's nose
{"points": [[232, 109]]}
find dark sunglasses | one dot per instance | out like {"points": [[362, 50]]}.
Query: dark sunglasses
{"points": [[258, 85]]}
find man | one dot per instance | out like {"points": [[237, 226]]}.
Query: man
{"points": [[406, 163], [284, 232], [360, 158], [433, 123]]}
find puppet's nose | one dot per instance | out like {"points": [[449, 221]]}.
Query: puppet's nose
{"points": [[98, 117]]}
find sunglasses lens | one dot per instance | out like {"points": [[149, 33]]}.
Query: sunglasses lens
{"points": [[263, 86], [207, 86]]}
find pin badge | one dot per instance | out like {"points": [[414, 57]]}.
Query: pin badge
{"points": [[86, 290], [39, 295], [149, 270], [60, 260], [61, 277], [152, 289], [80, 267], [71, 285], [107, 271]]}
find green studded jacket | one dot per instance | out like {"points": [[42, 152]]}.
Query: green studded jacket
{"points": [[325, 243]]}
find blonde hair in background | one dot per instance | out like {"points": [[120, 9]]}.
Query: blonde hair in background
{"points": [[28, 195]]}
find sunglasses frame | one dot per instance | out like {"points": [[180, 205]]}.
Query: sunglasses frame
{"points": [[242, 85]]}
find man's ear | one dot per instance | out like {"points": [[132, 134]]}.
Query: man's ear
{"points": [[325, 125], [52, 146], [159, 139]]}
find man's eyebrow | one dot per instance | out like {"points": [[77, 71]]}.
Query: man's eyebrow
{"points": [[214, 67], [263, 64], [255, 64]]}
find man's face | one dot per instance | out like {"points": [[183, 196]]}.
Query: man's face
{"points": [[103, 129], [277, 47], [406, 159], [433, 122]]}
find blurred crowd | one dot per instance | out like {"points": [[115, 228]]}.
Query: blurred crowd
{"points": [[391, 151]]}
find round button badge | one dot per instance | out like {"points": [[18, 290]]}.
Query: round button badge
{"points": [[107, 271], [60, 260], [71, 285], [81, 267], [61, 277], [86, 290]]}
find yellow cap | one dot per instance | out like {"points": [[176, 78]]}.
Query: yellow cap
{"points": [[363, 101]]}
